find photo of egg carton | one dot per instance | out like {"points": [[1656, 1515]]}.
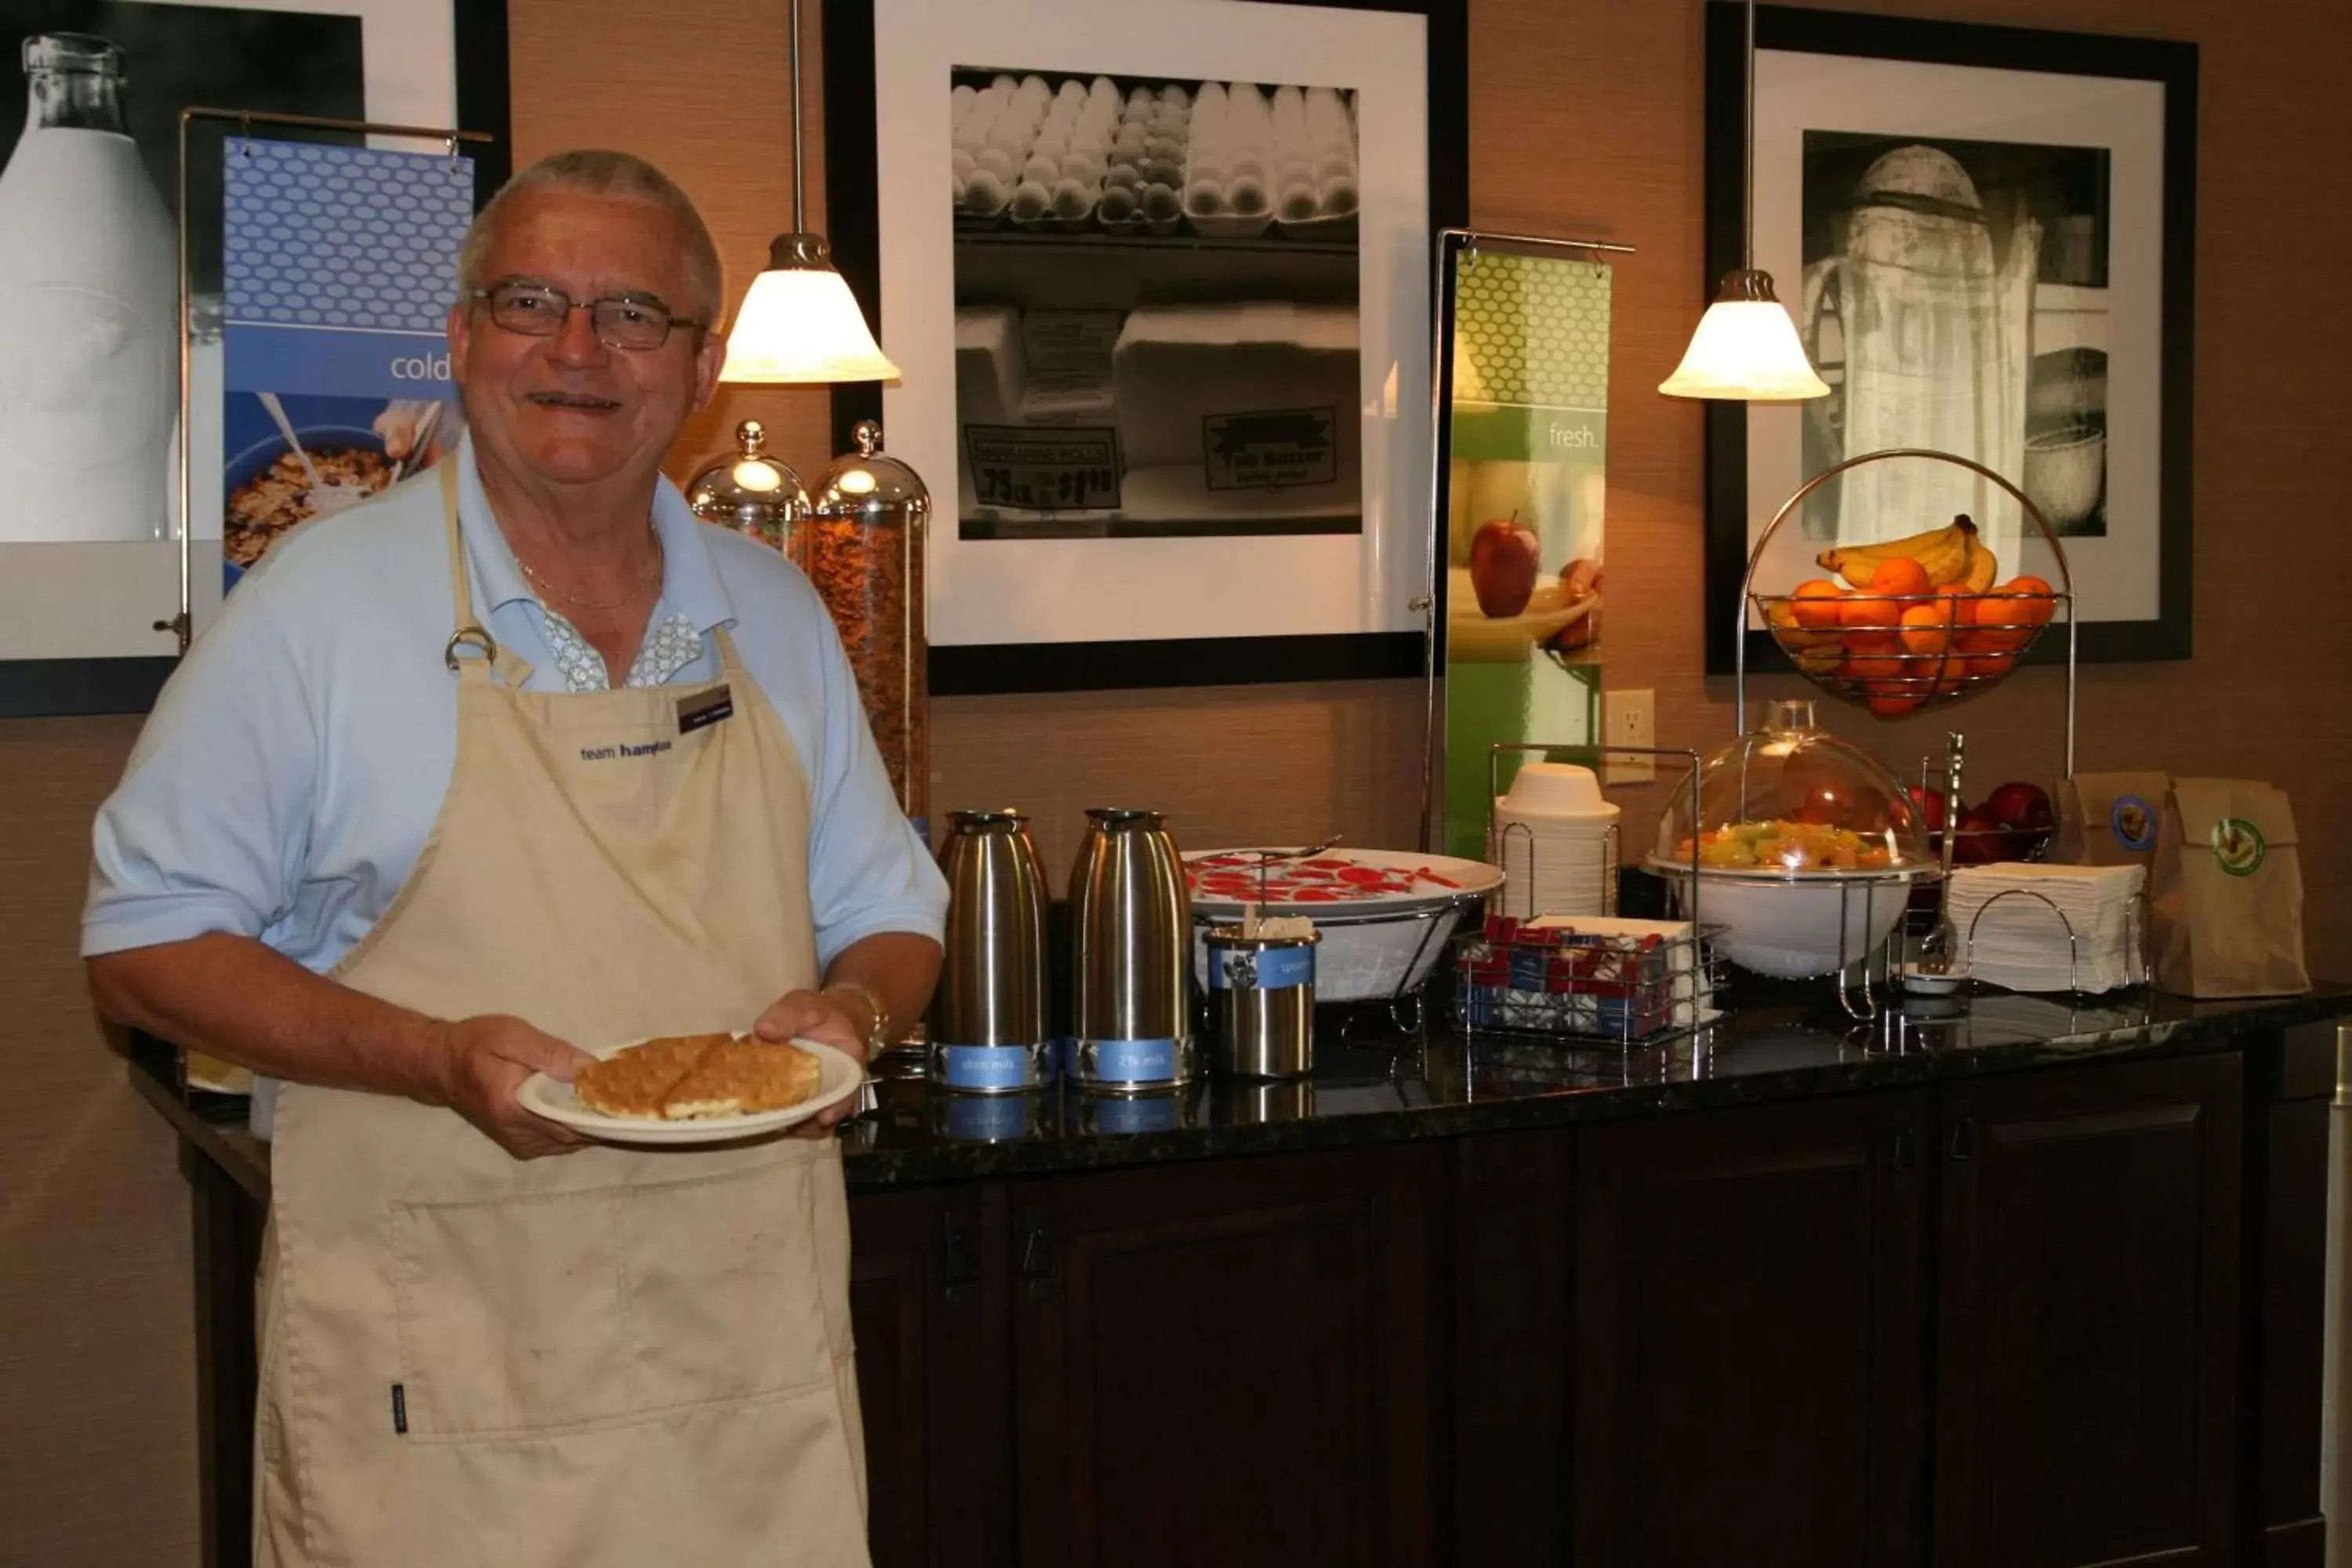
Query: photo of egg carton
{"points": [[1261, 156], [1032, 152], [1066, 154], [1145, 174]]}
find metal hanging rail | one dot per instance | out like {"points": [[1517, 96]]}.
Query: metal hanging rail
{"points": [[182, 626], [1469, 239]]}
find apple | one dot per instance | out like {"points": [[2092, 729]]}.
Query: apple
{"points": [[1981, 839], [1930, 803], [1504, 556], [2021, 805]]}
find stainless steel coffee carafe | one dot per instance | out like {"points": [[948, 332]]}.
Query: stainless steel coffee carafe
{"points": [[1130, 937], [991, 1032]]}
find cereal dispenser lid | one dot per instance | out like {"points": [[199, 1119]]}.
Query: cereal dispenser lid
{"points": [[750, 490], [869, 488], [1790, 797]]}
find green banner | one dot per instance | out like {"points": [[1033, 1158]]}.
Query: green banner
{"points": [[1525, 501]]}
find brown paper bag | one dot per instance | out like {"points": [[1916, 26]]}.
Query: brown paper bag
{"points": [[2226, 899], [2109, 819]]}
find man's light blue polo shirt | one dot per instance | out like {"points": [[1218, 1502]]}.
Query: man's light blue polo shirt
{"points": [[295, 763]]}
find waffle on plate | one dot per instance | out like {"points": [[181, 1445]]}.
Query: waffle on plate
{"points": [[684, 1078]]}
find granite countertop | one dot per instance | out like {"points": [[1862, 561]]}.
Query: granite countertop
{"points": [[1374, 1082]]}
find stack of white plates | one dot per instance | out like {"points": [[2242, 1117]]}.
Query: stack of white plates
{"points": [[1557, 841], [2020, 940]]}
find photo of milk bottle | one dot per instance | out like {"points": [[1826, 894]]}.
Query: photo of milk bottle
{"points": [[89, 359]]}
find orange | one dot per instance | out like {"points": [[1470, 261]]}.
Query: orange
{"points": [[2000, 620], [1993, 664], [1868, 612], [1815, 604], [2037, 603], [1899, 576], [1926, 628], [1893, 698], [1868, 667]]}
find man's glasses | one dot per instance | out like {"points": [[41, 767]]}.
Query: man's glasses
{"points": [[635, 321]]}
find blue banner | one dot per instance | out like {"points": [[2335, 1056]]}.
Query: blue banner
{"points": [[323, 363], [339, 267]]}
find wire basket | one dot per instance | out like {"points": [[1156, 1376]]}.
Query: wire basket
{"points": [[1558, 981], [1899, 653]]}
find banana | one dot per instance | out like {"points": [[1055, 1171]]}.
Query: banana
{"points": [[1984, 567], [1782, 617], [1943, 552]]}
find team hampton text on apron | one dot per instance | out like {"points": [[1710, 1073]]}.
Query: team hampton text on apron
{"points": [[606, 1357]]}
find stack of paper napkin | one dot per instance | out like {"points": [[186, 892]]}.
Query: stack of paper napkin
{"points": [[2021, 939]]}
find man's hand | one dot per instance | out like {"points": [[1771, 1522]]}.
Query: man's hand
{"points": [[480, 1066], [815, 1016]]}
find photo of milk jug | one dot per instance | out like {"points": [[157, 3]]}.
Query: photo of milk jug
{"points": [[89, 267]]}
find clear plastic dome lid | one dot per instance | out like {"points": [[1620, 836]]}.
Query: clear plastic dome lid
{"points": [[1789, 799]]}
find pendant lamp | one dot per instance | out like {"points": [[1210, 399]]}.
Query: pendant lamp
{"points": [[799, 322], [1746, 346]]}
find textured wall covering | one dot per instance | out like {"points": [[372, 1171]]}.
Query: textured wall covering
{"points": [[1585, 120]]}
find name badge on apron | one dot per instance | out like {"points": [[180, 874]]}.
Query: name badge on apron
{"points": [[709, 708]]}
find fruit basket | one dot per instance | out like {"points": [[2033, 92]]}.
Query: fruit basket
{"points": [[1915, 623]]}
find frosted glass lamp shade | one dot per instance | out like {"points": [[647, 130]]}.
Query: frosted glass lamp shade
{"points": [[800, 324], [1746, 348]]}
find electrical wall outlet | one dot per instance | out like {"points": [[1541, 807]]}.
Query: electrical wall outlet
{"points": [[1629, 719]]}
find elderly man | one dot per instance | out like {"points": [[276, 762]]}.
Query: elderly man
{"points": [[518, 759]]}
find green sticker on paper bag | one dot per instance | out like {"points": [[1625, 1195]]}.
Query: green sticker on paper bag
{"points": [[2238, 846]]}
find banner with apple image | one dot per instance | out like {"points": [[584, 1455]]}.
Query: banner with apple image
{"points": [[1526, 497]]}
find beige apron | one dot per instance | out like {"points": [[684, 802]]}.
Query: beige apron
{"points": [[608, 1357]]}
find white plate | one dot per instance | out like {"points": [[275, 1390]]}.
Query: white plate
{"points": [[1475, 877], [543, 1096]]}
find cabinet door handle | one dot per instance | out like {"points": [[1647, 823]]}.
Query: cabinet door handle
{"points": [[1906, 1152], [959, 1257], [1964, 1140], [1041, 1262]]}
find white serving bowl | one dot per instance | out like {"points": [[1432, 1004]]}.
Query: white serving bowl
{"points": [[1788, 926], [1370, 948]]}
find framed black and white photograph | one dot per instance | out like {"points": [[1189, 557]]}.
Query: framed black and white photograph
{"points": [[90, 536], [1984, 237], [1160, 293]]}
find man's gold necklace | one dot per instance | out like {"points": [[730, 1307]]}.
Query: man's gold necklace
{"points": [[651, 578]]}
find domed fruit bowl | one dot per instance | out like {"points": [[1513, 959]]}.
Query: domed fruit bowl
{"points": [[1806, 848], [1919, 622]]}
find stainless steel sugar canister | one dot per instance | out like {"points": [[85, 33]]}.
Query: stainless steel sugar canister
{"points": [[991, 1033], [1262, 999], [1130, 936]]}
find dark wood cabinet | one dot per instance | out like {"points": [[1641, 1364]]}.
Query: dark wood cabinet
{"points": [[928, 1310], [1227, 1363], [2052, 1317], [2087, 1330], [1511, 1349], [1749, 1337]]}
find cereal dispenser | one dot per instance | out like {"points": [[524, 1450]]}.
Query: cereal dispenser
{"points": [[863, 547]]}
